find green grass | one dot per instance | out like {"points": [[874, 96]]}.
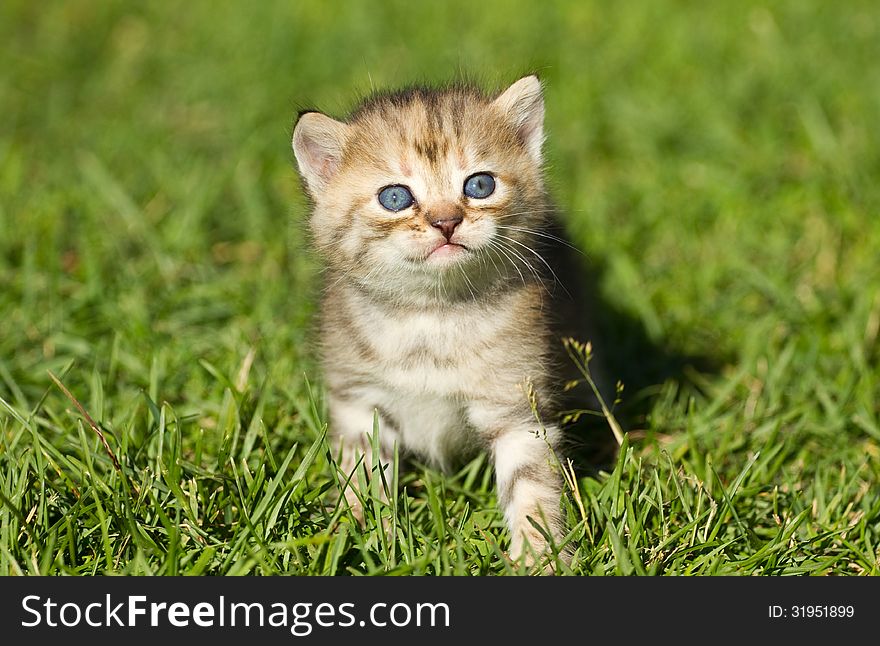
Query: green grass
{"points": [[718, 163]]}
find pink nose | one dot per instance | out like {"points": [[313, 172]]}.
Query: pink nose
{"points": [[447, 225]]}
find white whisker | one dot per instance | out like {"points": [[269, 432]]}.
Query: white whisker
{"points": [[467, 282], [542, 235], [493, 245], [541, 258]]}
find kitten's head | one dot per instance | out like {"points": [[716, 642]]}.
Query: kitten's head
{"points": [[426, 187]]}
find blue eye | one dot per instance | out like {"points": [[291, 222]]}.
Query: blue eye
{"points": [[395, 198], [479, 186]]}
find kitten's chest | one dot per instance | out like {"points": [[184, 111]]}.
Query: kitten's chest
{"points": [[446, 351], [428, 338]]}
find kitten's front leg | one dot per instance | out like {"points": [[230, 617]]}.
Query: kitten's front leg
{"points": [[527, 476], [351, 419]]}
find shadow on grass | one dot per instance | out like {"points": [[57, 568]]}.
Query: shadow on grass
{"points": [[623, 352]]}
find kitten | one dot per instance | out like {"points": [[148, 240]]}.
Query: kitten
{"points": [[429, 205]]}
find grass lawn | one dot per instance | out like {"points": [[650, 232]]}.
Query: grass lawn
{"points": [[717, 162]]}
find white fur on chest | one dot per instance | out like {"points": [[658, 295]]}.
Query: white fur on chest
{"points": [[444, 352]]}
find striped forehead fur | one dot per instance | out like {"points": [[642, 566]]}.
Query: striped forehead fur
{"points": [[432, 122]]}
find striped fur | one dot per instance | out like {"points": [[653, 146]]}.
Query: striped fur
{"points": [[443, 346]]}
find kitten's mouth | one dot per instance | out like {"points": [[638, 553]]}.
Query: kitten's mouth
{"points": [[447, 250]]}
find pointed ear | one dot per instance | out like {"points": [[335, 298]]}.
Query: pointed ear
{"points": [[318, 142], [523, 105]]}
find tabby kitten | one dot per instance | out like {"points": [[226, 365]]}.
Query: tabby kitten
{"points": [[428, 208]]}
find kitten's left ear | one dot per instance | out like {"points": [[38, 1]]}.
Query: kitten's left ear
{"points": [[523, 104], [318, 143]]}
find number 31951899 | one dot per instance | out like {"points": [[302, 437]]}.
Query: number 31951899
{"points": [[810, 612]]}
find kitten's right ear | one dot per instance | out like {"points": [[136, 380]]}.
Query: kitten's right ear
{"points": [[318, 142]]}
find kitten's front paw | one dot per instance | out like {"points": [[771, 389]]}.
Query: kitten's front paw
{"points": [[531, 549]]}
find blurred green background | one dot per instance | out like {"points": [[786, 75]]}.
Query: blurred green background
{"points": [[718, 162], [720, 157]]}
